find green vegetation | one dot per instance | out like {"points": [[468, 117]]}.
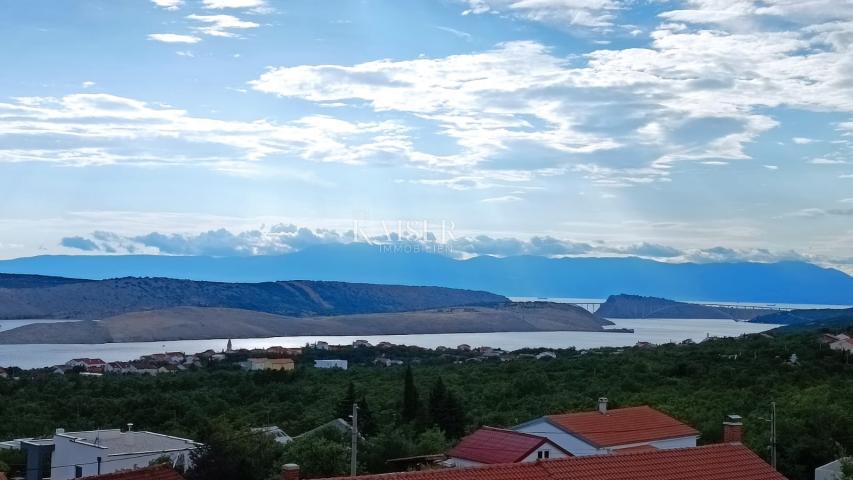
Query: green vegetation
{"points": [[699, 384]]}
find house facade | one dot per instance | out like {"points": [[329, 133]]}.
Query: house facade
{"points": [[608, 431], [342, 364]]}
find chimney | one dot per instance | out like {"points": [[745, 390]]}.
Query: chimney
{"points": [[290, 471], [129, 427], [602, 405], [733, 429]]}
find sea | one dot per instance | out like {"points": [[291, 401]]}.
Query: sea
{"points": [[656, 331]]}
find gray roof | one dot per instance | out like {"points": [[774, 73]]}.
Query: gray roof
{"points": [[118, 442]]}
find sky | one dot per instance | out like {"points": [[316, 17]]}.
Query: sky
{"points": [[683, 130]]}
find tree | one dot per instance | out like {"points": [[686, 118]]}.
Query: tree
{"points": [[344, 409], [445, 411], [230, 453], [322, 454], [366, 422], [846, 468], [411, 401]]}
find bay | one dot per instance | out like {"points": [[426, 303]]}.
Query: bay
{"points": [[655, 331]]}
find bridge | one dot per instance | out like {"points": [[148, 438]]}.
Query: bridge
{"points": [[593, 307]]}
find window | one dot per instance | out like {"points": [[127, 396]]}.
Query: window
{"points": [[544, 454], [78, 471]]}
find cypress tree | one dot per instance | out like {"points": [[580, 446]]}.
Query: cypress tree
{"points": [[344, 408], [411, 402]]}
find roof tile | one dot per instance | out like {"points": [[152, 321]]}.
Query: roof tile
{"points": [[728, 461], [496, 445], [622, 426]]}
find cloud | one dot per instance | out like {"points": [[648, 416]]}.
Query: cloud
{"points": [[88, 84], [803, 140], [168, 4], [220, 25], [826, 161], [560, 13], [79, 243], [286, 238], [626, 117], [234, 3], [101, 129], [173, 38], [502, 199], [771, 167], [453, 31]]}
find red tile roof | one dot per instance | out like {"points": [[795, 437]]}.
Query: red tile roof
{"points": [[158, 472], [727, 461], [496, 445], [622, 426]]}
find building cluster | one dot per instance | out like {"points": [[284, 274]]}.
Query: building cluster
{"points": [[636, 443]]}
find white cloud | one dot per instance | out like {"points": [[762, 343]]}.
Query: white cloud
{"points": [[173, 38], [88, 84], [453, 31], [803, 140], [826, 161], [502, 199], [560, 13], [168, 4], [234, 3], [220, 25], [97, 129], [771, 167]]}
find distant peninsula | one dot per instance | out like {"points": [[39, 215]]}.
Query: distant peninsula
{"points": [[137, 309], [635, 306]]}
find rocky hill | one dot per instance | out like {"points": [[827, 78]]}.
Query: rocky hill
{"points": [[76, 299], [635, 306], [193, 323]]}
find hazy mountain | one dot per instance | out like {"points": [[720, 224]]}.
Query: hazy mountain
{"points": [[193, 323], [106, 298], [784, 282]]}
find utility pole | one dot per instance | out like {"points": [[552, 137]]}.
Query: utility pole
{"points": [[773, 434], [354, 457]]}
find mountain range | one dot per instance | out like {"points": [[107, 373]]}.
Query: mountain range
{"points": [[532, 276]]}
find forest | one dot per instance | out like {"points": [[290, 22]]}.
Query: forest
{"points": [[426, 405]]}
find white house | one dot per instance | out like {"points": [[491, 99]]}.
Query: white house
{"points": [[321, 345], [361, 343], [830, 471], [495, 445], [606, 431], [84, 454], [331, 364]]}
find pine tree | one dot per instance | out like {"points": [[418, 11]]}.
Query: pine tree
{"points": [[454, 426], [411, 401]]}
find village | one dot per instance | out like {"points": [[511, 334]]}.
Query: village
{"points": [[277, 358]]}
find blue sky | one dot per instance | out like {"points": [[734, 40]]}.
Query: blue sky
{"points": [[685, 130]]}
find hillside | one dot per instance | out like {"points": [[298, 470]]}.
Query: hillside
{"points": [[635, 306], [106, 298], [193, 323], [530, 276], [809, 318]]}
